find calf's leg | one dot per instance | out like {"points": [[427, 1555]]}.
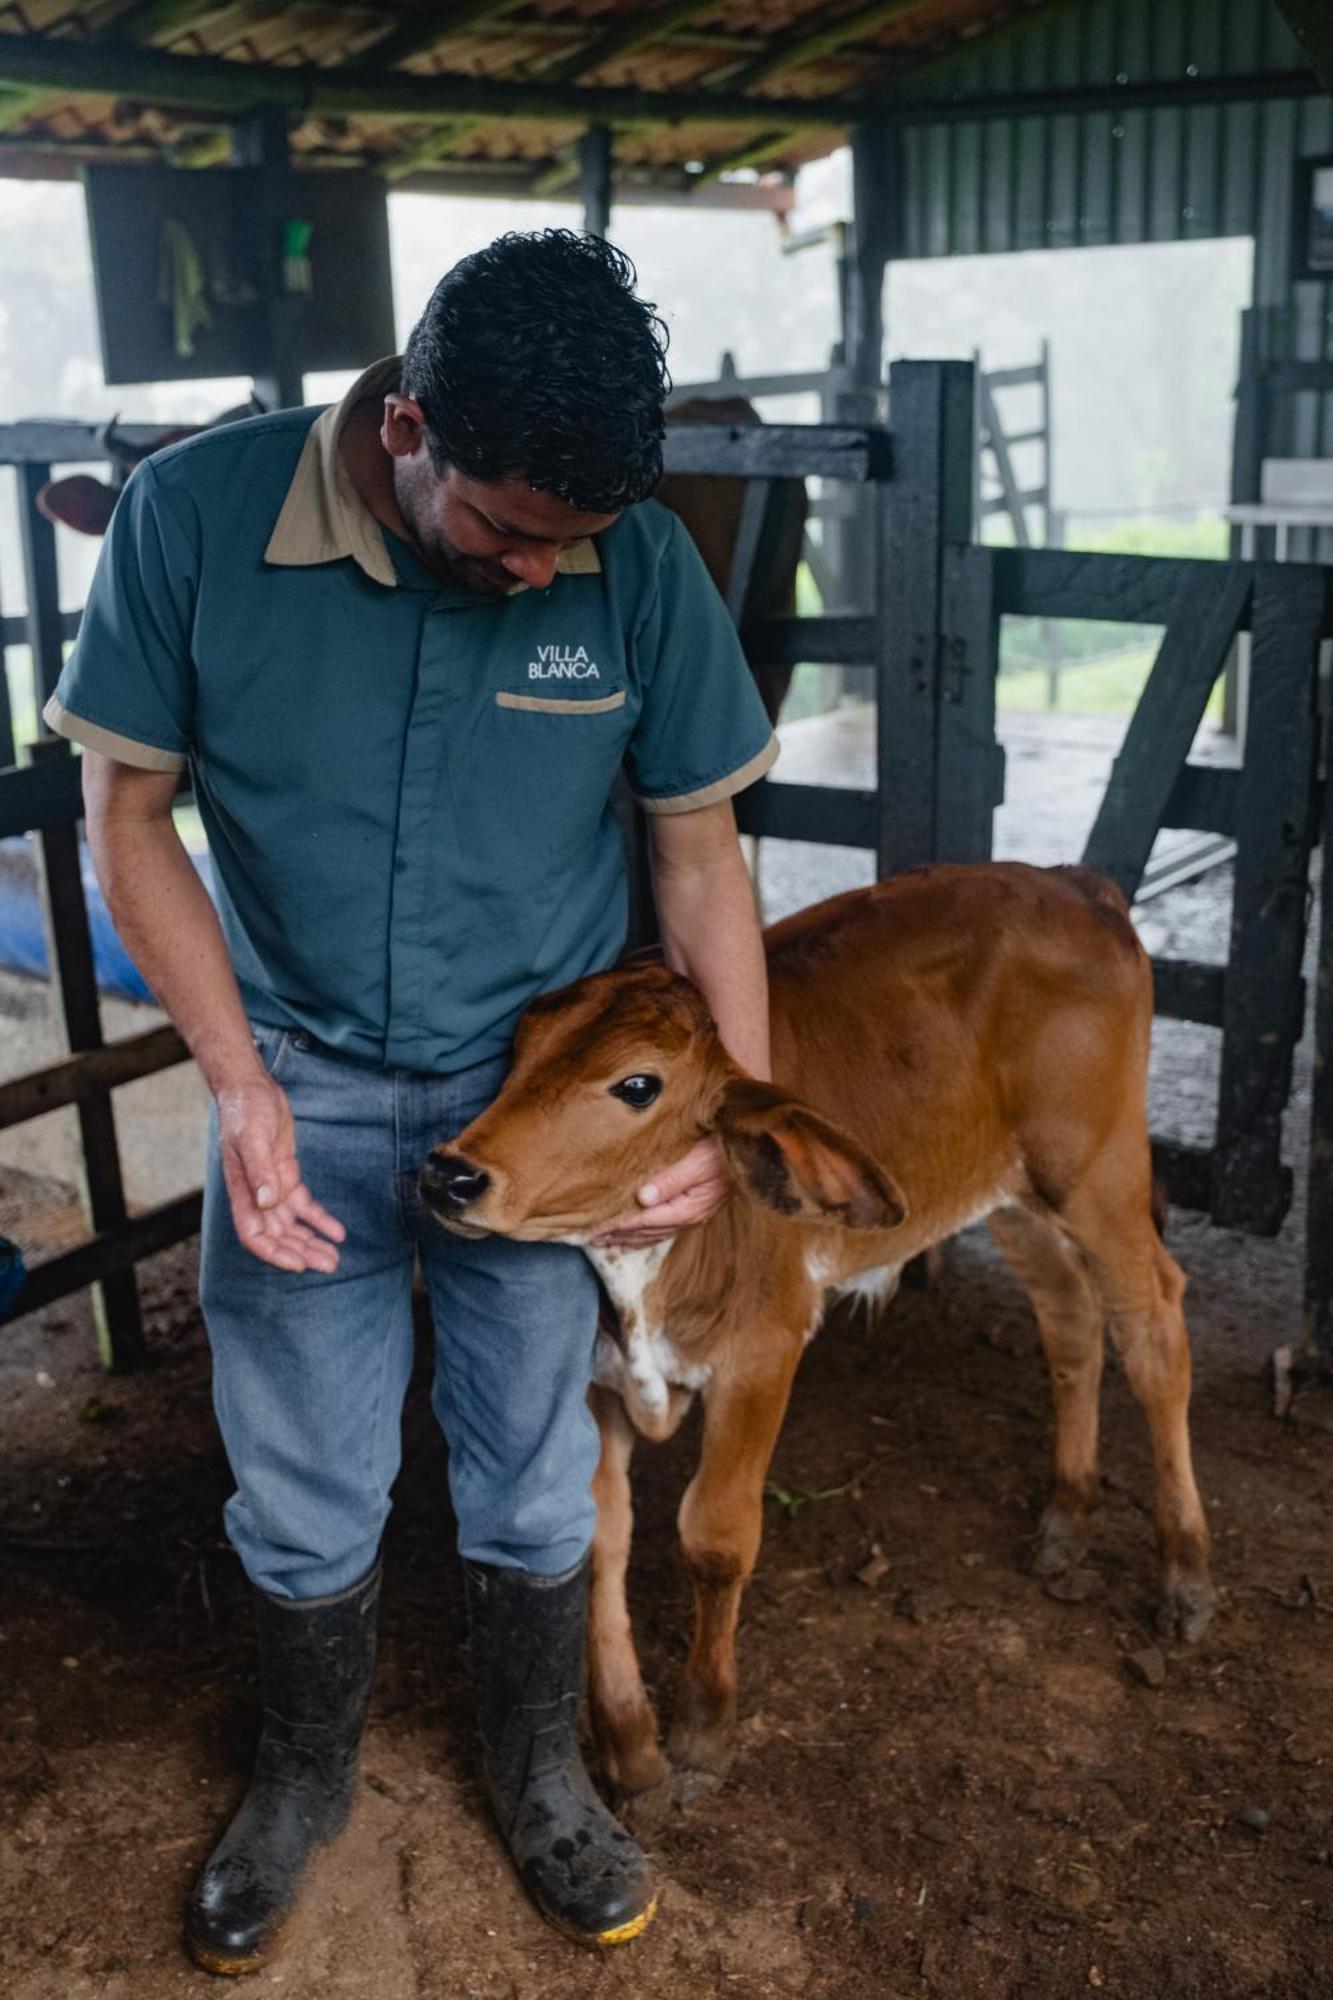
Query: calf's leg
{"points": [[721, 1522], [1142, 1286], [1071, 1321], [622, 1717]]}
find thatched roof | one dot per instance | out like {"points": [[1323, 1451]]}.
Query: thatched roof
{"points": [[481, 91]]}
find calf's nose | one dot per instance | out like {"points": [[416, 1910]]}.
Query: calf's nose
{"points": [[448, 1181]]}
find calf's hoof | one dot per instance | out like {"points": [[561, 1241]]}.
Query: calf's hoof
{"points": [[1187, 1608], [632, 1764], [1060, 1547], [701, 1750]]}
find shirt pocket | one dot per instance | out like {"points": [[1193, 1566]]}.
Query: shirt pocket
{"points": [[554, 704]]}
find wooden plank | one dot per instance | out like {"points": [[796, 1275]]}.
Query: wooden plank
{"points": [[34, 796], [110, 1254], [828, 815], [1012, 378], [89, 1074], [116, 1312], [777, 451], [836, 641], [41, 584], [926, 504], [1275, 831], [1318, 1317], [1203, 799], [1185, 990], [53, 441], [1069, 583], [14, 630], [815, 382], [1163, 726], [970, 762], [1012, 499], [1185, 1172], [7, 752]]}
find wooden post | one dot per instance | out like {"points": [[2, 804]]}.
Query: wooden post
{"points": [[42, 584], [7, 752], [1274, 839], [872, 239], [924, 505], [259, 139], [969, 759], [1318, 1332], [595, 147], [115, 1301], [1249, 431]]}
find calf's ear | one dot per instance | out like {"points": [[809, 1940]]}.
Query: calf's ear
{"points": [[788, 1158]]}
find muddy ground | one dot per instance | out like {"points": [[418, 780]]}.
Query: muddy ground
{"points": [[947, 1782]]}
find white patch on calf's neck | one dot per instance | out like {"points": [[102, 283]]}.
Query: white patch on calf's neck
{"points": [[642, 1366]]}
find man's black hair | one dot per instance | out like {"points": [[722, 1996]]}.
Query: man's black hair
{"points": [[535, 357]]}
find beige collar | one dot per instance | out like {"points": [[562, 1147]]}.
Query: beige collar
{"points": [[324, 518]]}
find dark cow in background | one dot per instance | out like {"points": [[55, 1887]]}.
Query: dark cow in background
{"points": [[711, 509], [85, 503]]}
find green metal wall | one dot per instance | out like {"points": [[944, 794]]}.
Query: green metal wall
{"points": [[1145, 176]]}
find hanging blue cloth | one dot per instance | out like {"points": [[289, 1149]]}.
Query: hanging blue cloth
{"points": [[23, 939], [13, 1275]]}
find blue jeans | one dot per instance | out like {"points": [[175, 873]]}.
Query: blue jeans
{"points": [[310, 1370]]}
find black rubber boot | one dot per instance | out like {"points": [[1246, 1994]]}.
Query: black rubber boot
{"points": [[581, 1868], [316, 1662]]}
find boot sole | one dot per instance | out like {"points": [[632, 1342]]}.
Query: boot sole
{"points": [[209, 1960], [603, 1940]]}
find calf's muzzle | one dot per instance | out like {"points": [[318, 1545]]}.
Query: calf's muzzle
{"points": [[449, 1184]]}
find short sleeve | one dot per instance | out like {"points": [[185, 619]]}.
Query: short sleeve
{"points": [[702, 733], [127, 689]]}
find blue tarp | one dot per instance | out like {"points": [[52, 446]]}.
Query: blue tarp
{"points": [[23, 940]]}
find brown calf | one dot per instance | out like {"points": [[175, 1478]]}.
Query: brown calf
{"points": [[981, 1031]]}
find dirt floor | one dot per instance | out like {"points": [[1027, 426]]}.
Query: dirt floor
{"points": [[947, 1782]]}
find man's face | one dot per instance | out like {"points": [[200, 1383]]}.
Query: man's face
{"points": [[485, 534]]}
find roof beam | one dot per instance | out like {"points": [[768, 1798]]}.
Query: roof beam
{"points": [[211, 83], [634, 33], [756, 153], [142, 20], [808, 48], [428, 25], [137, 23]]}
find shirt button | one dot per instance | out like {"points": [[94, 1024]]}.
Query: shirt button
{"points": [[400, 865]]}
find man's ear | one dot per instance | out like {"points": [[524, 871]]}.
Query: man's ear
{"points": [[788, 1158], [404, 425]]}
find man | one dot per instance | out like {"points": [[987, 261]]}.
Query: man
{"points": [[405, 646]]}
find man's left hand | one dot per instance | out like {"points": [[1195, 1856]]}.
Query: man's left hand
{"points": [[679, 1196]]}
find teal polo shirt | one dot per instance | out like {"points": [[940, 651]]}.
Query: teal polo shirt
{"points": [[405, 785]]}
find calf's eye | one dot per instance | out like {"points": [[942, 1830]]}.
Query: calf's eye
{"points": [[637, 1091]]}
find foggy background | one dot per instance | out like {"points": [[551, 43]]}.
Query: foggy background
{"points": [[1143, 340]]}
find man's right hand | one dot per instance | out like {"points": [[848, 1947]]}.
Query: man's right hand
{"points": [[276, 1216]]}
